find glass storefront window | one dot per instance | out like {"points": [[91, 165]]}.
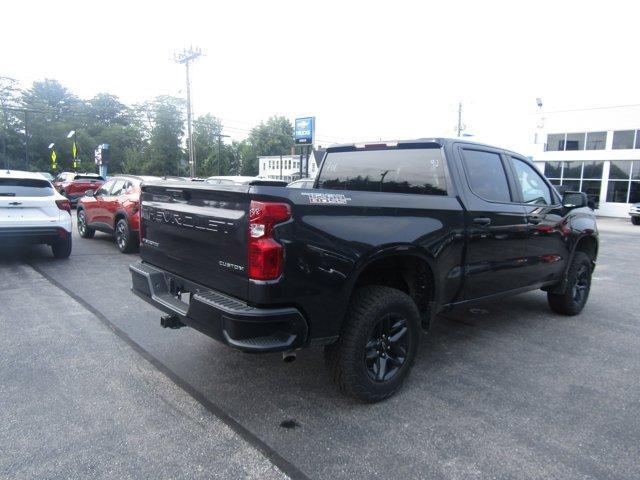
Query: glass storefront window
{"points": [[635, 170], [619, 170], [573, 185], [592, 189], [555, 142], [617, 191], [553, 169], [596, 140], [634, 192], [572, 170], [623, 139], [593, 170], [575, 141]]}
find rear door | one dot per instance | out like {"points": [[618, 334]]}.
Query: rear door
{"points": [[27, 202], [496, 224], [198, 231]]}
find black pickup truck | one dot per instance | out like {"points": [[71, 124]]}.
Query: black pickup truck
{"points": [[391, 234]]}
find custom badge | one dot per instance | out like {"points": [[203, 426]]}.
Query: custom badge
{"points": [[330, 198]]}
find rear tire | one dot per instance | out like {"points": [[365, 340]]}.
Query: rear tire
{"points": [[126, 241], [377, 345], [84, 230], [573, 300], [635, 220], [61, 247]]}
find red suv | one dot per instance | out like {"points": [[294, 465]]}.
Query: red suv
{"points": [[114, 209], [74, 185]]}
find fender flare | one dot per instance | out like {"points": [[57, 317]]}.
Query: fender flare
{"points": [[390, 251]]}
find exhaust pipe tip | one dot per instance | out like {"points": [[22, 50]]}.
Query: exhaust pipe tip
{"points": [[288, 357]]}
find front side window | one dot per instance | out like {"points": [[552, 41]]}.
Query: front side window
{"points": [[486, 175], [395, 170], [533, 188], [104, 190], [118, 188]]}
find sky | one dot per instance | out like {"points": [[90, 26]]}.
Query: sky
{"points": [[367, 70]]}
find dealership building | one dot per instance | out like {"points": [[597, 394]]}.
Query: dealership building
{"points": [[287, 167], [595, 151]]}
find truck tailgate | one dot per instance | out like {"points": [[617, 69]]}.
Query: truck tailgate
{"points": [[197, 231]]}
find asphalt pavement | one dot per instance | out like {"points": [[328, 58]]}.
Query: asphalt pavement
{"points": [[502, 390]]}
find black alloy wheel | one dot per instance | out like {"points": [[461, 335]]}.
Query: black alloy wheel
{"points": [[377, 345], [581, 285], [386, 350]]}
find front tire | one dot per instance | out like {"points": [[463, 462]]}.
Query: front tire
{"points": [[84, 230], [573, 300], [125, 240], [635, 220], [61, 247], [377, 345]]}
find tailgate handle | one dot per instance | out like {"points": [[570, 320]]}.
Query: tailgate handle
{"points": [[15, 203]]}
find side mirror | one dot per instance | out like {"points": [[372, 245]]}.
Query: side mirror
{"points": [[574, 200], [89, 193]]}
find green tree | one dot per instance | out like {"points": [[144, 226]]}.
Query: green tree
{"points": [[273, 137], [165, 154], [205, 144]]}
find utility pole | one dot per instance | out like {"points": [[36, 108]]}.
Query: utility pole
{"points": [[459, 119], [186, 57]]}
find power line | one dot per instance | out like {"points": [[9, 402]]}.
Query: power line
{"points": [[607, 107]]}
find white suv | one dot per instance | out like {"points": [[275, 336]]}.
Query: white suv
{"points": [[32, 212]]}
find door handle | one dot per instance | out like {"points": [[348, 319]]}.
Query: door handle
{"points": [[482, 221], [534, 220]]}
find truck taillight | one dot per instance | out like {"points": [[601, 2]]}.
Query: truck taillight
{"points": [[64, 204], [265, 254]]}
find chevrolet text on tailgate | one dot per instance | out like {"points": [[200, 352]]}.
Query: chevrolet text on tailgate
{"points": [[390, 235]]}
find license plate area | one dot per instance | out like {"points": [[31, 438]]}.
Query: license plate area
{"points": [[184, 297], [180, 292]]}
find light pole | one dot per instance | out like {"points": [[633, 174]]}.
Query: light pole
{"points": [[540, 123], [186, 57]]}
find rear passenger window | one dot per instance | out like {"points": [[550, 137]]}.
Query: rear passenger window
{"points": [[395, 170], [486, 175]]}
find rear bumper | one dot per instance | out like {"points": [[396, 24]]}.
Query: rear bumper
{"points": [[220, 316], [33, 234]]}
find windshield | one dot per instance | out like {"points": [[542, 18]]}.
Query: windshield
{"points": [[25, 187], [415, 170]]}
